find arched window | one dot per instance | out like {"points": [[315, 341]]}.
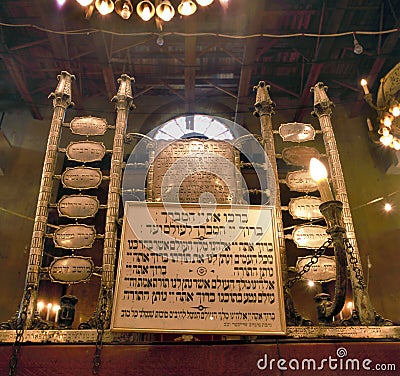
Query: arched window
{"points": [[200, 126]]}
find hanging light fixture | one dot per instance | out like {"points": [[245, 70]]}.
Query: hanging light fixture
{"points": [[145, 10], [358, 49], [85, 3], [387, 106], [187, 7], [124, 8], [204, 3], [104, 6], [165, 10]]}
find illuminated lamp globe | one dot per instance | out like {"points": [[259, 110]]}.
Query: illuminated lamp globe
{"points": [[388, 207], [385, 131], [204, 3], [386, 140], [396, 110], [165, 10], [104, 6], [396, 144], [84, 3], [145, 10], [187, 8], [124, 8], [387, 121]]}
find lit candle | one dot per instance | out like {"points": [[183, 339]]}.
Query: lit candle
{"points": [[364, 86], [48, 311], [369, 125], [350, 307], [40, 306], [56, 309], [320, 176]]}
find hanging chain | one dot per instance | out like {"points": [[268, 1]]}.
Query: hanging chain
{"points": [[100, 322], [306, 268], [19, 329], [354, 263]]}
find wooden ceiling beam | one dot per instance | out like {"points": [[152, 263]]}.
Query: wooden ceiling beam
{"points": [[59, 47], [254, 22], [104, 59], [322, 49], [17, 75]]}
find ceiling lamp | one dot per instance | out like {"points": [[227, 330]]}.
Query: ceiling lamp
{"points": [[104, 6], [187, 8], [85, 3], [165, 10], [204, 3], [387, 106], [358, 49], [124, 8], [145, 10]]}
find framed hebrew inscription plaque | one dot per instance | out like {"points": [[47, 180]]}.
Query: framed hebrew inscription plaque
{"points": [[199, 269]]}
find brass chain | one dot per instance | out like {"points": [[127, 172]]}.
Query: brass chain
{"points": [[19, 330], [306, 268], [354, 263], [100, 323]]}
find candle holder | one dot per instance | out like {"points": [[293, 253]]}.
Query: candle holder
{"points": [[327, 308]]}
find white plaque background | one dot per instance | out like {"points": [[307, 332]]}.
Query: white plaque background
{"points": [[237, 290]]}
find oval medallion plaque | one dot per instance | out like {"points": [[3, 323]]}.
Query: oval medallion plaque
{"points": [[78, 206], [305, 207], [86, 151], [296, 132], [81, 177], [88, 126], [74, 236], [323, 271], [309, 236], [300, 155], [300, 181], [71, 269]]}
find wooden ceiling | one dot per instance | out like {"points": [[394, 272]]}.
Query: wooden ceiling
{"points": [[215, 53]]}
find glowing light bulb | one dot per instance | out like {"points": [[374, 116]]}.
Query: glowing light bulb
{"points": [[386, 140], [388, 207], [395, 110], [385, 131], [187, 7], [396, 144], [166, 14], [364, 84], [310, 283], [104, 6], [387, 121], [204, 3], [146, 14], [85, 3], [145, 9], [126, 11], [60, 3]]}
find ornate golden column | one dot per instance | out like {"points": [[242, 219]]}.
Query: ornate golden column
{"points": [[264, 109], [61, 101], [123, 103], [323, 109]]}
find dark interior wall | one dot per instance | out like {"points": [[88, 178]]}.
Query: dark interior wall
{"points": [[363, 164]]}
